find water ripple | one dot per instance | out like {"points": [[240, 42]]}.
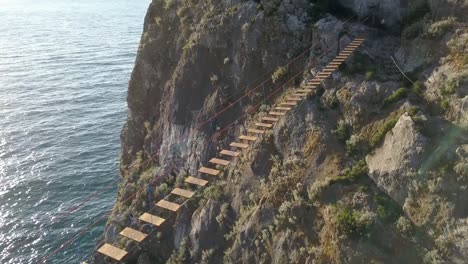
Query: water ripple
{"points": [[64, 70]]}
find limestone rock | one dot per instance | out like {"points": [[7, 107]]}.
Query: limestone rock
{"points": [[401, 153]]}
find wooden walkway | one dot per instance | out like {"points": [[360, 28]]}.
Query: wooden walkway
{"points": [[228, 155]]}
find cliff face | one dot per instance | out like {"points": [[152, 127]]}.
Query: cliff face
{"points": [[373, 168]]}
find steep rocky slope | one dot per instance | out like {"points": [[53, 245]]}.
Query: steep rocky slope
{"points": [[372, 168]]}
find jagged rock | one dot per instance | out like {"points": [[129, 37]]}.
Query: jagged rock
{"points": [[204, 228], [389, 11], [182, 77], [445, 8], [401, 153]]}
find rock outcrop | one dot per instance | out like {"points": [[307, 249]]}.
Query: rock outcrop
{"points": [[399, 158], [371, 168]]}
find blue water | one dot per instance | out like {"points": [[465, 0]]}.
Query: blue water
{"points": [[64, 71]]}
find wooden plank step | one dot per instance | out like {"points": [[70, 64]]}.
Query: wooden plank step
{"points": [[271, 119], [229, 153], [341, 57], [113, 252], [264, 125], [327, 70], [133, 234], [168, 205], [324, 75], [219, 161], [255, 131], [294, 99], [196, 181], [239, 145], [283, 108], [307, 91], [277, 113], [152, 219], [299, 94], [184, 193], [208, 171], [288, 104], [248, 138]]}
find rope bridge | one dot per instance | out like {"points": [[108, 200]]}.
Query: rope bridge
{"points": [[171, 203]]}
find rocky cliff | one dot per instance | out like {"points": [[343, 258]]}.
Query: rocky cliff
{"points": [[372, 168]]}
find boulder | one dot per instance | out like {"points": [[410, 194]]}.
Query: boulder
{"points": [[392, 164]]}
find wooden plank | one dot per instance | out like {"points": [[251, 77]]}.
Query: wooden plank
{"points": [[209, 171], [299, 94], [133, 234], [270, 119], [341, 57], [219, 161], [288, 104], [196, 181], [294, 99], [307, 91], [184, 193], [229, 153], [248, 138], [255, 131], [324, 75], [168, 205], [264, 125], [239, 145], [152, 219], [113, 252], [283, 108], [277, 113]]}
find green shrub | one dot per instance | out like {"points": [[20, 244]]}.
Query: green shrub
{"points": [[350, 222], [444, 104], [352, 145], [279, 74], [413, 110], [369, 75], [387, 209], [382, 131], [233, 9], [450, 87], [417, 87], [351, 175], [440, 28], [396, 96], [342, 131], [213, 192]]}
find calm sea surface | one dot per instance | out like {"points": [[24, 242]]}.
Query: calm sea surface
{"points": [[64, 70]]}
